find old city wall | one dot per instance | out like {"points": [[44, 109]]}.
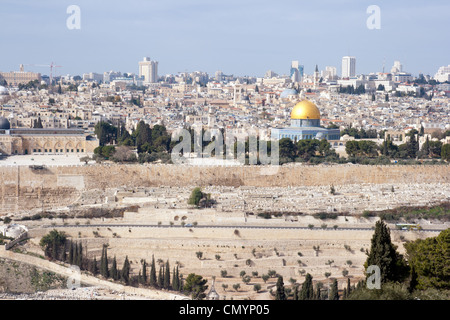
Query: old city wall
{"points": [[25, 188]]}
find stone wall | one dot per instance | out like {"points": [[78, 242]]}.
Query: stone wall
{"points": [[25, 188]]}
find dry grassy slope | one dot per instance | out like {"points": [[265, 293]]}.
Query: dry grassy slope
{"points": [[19, 277]]}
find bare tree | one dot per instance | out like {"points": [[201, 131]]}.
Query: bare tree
{"points": [[123, 153]]}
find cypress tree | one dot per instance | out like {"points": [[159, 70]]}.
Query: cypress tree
{"points": [[113, 272], [64, 254], [179, 285], [307, 291], [174, 280], [384, 148], [160, 278], [296, 293], [318, 296], [413, 280], [280, 294], [105, 257], [75, 254], [167, 276], [85, 260], [349, 289], [94, 267], [412, 145], [126, 271], [360, 284], [426, 147], [79, 255], [39, 123], [70, 253], [144, 272], [384, 255], [153, 281], [334, 294], [104, 263], [180, 281]]}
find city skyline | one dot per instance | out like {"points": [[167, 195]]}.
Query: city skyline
{"points": [[237, 38]]}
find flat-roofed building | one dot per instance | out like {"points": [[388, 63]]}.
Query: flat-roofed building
{"points": [[44, 141], [14, 78]]}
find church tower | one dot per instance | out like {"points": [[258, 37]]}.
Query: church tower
{"points": [[316, 77]]}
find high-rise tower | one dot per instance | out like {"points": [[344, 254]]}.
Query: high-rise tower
{"points": [[148, 69], [348, 67], [296, 71]]}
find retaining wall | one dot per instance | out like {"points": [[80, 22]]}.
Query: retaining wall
{"points": [[24, 188]]}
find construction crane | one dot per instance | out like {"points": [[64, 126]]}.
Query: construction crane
{"points": [[52, 65]]}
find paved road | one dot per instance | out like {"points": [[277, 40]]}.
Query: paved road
{"points": [[213, 226]]}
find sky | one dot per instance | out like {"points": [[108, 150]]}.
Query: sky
{"points": [[239, 37]]}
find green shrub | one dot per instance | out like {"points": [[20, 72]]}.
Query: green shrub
{"points": [[325, 215]]}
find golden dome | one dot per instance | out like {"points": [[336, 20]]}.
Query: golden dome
{"points": [[305, 110]]}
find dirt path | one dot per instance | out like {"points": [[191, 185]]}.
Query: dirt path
{"points": [[88, 279]]}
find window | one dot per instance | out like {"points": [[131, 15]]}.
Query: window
{"points": [[45, 150], [82, 150], [34, 150]]}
